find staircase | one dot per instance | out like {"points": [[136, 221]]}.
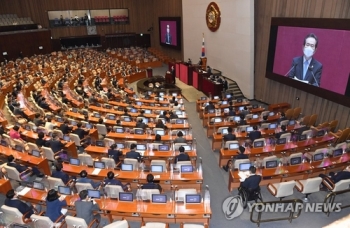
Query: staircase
{"points": [[234, 88]]}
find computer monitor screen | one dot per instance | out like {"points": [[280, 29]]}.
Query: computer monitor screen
{"points": [[73, 123], [108, 106], [318, 157], [216, 98], [295, 161], [126, 196], [138, 103], [255, 106], [281, 141], [236, 118], [64, 190], [271, 113], [127, 119], [337, 152], [97, 115], [271, 164], [203, 98], [100, 143], [99, 165], [111, 117], [145, 120], [94, 193], [224, 131], [226, 110], [320, 133], [217, 120], [291, 122], [38, 185], [119, 130], [174, 94], [3, 142], [224, 102], [179, 121], [127, 167], [259, 144], [19, 148], [233, 146], [141, 147], [211, 111], [36, 153], [120, 145], [228, 96], [244, 166], [239, 100], [139, 132], [161, 94], [302, 137], [187, 147], [163, 147], [186, 168], [193, 198], [88, 126], [148, 111], [241, 108], [133, 110], [159, 198], [250, 129], [160, 132], [74, 110], [272, 126], [28, 128], [74, 161], [161, 99], [66, 138], [156, 168]]}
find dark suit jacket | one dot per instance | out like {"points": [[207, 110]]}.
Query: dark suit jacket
{"points": [[62, 175], [115, 154], [56, 145], [342, 175], [20, 168], [133, 154], [229, 137], [65, 128], [152, 186], [21, 206], [252, 182], [316, 69], [40, 142], [80, 132], [278, 135], [254, 135], [241, 156], [182, 157]]}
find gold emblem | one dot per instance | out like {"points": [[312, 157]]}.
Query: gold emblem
{"points": [[213, 16]]}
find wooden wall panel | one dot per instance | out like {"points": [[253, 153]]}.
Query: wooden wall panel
{"points": [[270, 91]]}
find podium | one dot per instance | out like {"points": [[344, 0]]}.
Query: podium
{"points": [[168, 78], [210, 87], [204, 63], [197, 78], [149, 72]]}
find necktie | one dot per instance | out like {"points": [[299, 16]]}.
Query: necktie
{"points": [[305, 69]]}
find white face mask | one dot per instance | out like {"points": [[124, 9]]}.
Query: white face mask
{"points": [[308, 52]]}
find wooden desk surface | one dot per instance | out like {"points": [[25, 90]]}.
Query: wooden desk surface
{"points": [[5, 186], [144, 137]]}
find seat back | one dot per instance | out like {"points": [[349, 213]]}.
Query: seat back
{"points": [[324, 151], [83, 186], [146, 194], [285, 189], [118, 224], [101, 129], [308, 133], [180, 163], [129, 142], [73, 222], [108, 142], [295, 155], [260, 140], [41, 221], [264, 125], [159, 162], [270, 158], [342, 145], [48, 153], [32, 146], [86, 159], [178, 145], [341, 185], [239, 161], [112, 191], [132, 161], [12, 215], [287, 136], [58, 133], [284, 122], [296, 113], [110, 163], [312, 185], [55, 182], [221, 129], [193, 226], [181, 193], [227, 143], [242, 128], [12, 173], [75, 138]]}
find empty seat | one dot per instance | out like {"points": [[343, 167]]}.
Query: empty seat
{"points": [[308, 186], [281, 190]]}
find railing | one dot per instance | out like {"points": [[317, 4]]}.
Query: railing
{"points": [[292, 214], [329, 200]]}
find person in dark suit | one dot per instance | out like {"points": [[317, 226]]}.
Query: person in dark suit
{"points": [[242, 120], [336, 177], [58, 173], [241, 155], [179, 138], [158, 139], [172, 115], [114, 153], [40, 141], [229, 136], [132, 153], [150, 184], [65, 128], [283, 117], [255, 134], [83, 179], [283, 131], [11, 161], [110, 180], [38, 121], [164, 116], [85, 208], [168, 37], [141, 124], [12, 201], [54, 205], [231, 112], [306, 67], [142, 113], [43, 104], [209, 106], [245, 111], [182, 156], [80, 132], [252, 182], [55, 143]]}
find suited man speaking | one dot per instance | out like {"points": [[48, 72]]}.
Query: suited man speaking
{"points": [[167, 35], [307, 68]]}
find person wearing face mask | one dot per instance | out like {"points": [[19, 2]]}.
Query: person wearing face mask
{"points": [[306, 67]]}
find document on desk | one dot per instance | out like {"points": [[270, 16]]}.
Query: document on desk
{"points": [[24, 191], [96, 171], [243, 175], [156, 176], [304, 81]]}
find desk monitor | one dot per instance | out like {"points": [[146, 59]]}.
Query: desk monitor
{"points": [[119, 130], [228, 96], [250, 129], [73, 123], [318, 157], [216, 98], [255, 116], [16, 225], [4, 143], [97, 115], [338, 152], [186, 169], [151, 104], [74, 110], [99, 165], [74, 161], [100, 143], [240, 100], [163, 147], [145, 120], [174, 94], [161, 94], [224, 103], [28, 128], [271, 164], [236, 118], [127, 167], [295, 161], [187, 147], [302, 137], [244, 166], [156, 168], [149, 93], [133, 110], [64, 190], [107, 106], [139, 132], [19, 148], [161, 99], [258, 144], [138, 103], [224, 131], [159, 198], [320, 133], [255, 106], [211, 111], [88, 126], [160, 132], [179, 121], [120, 108], [281, 141], [226, 110], [141, 147], [233, 146], [217, 120], [66, 138], [180, 113], [127, 119], [241, 108], [111, 117], [38, 185], [271, 113], [120, 145], [147, 111], [36, 153], [126, 196], [272, 126], [291, 122], [203, 98], [193, 198], [94, 193]]}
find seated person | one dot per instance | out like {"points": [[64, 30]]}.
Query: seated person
{"points": [[43, 104], [58, 173], [245, 111], [142, 113], [12, 201], [283, 131], [172, 115], [173, 99], [38, 121], [252, 181], [164, 116], [40, 141], [55, 143], [179, 138], [150, 184], [182, 156], [158, 139], [54, 205], [335, 177], [15, 133], [176, 106], [65, 128], [126, 113], [255, 134], [229, 136], [132, 153], [114, 153], [160, 124], [231, 111], [80, 132], [264, 119], [110, 180], [242, 120], [83, 179], [11, 161], [209, 106], [141, 124], [241, 155], [48, 125], [85, 208], [282, 117]]}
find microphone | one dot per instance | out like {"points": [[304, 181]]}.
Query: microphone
{"points": [[294, 65], [313, 75]]}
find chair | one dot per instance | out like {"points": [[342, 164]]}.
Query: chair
{"points": [[13, 215], [332, 125], [155, 225], [110, 163], [55, 182], [49, 154], [339, 186], [265, 113], [108, 142], [58, 133], [260, 140], [342, 145], [157, 129], [129, 142], [306, 120], [44, 221], [32, 146], [324, 151], [178, 145], [86, 159], [75, 138], [159, 162], [180, 163], [132, 161], [73, 222], [265, 126], [296, 113], [13, 174], [83, 186], [313, 119], [284, 122], [295, 155], [308, 133], [9, 140], [118, 224], [308, 186], [146, 194], [239, 161], [227, 143], [19, 143], [112, 191], [221, 129], [242, 128], [183, 225], [281, 190], [270, 158], [287, 136], [181, 193], [101, 129]]}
